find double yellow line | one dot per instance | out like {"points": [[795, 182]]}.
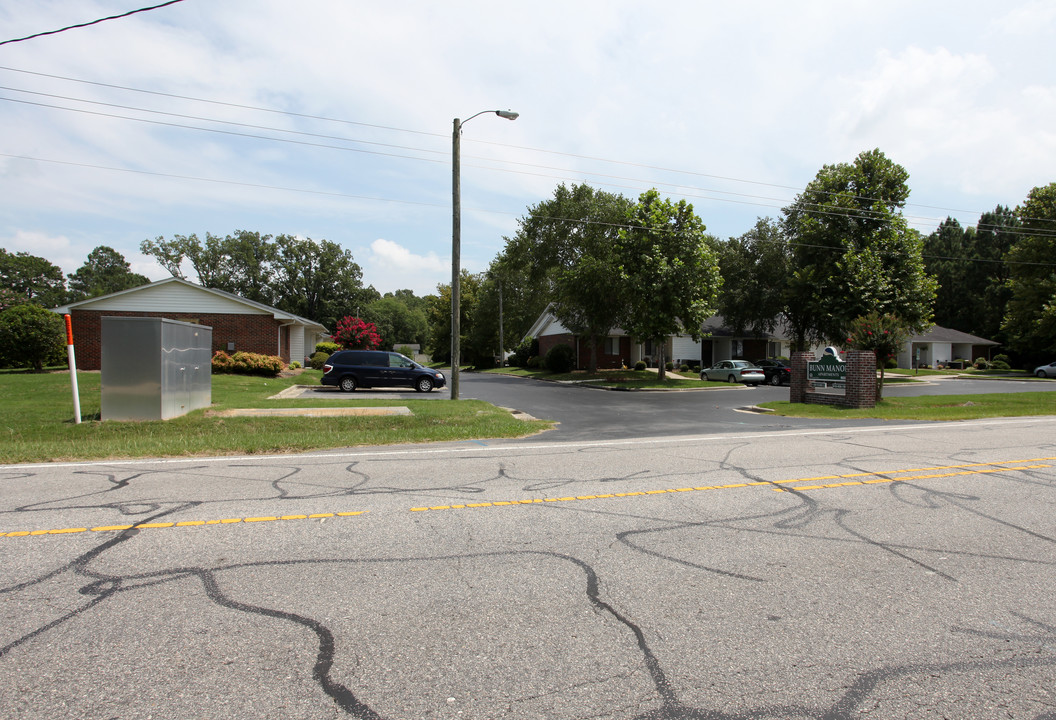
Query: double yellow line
{"points": [[184, 523], [793, 485], [883, 476]]}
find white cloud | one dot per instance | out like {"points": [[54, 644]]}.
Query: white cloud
{"points": [[765, 92], [1030, 18], [57, 249], [389, 266]]}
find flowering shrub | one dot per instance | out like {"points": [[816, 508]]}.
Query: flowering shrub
{"points": [[355, 334], [883, 334], [245, 363]]}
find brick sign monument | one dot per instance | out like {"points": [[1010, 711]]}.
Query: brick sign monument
{"points": [[829, 381]]}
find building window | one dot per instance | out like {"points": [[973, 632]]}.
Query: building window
{"points": [[612, 346]]}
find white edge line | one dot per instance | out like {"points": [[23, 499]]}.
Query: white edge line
{"points": [[521, 448]]}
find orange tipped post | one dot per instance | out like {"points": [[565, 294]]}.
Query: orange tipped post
{"points": [[73, 371]]}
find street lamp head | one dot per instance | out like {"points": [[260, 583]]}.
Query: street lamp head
{"points": [[508, 114]]}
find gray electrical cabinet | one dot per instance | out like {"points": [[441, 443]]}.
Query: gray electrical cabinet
{"points": [[154, 368]]}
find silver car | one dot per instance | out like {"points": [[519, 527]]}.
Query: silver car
{"points": [[1046, 371], [734, 371]]}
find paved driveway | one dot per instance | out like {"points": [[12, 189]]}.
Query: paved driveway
{"points": [[586, 413]]}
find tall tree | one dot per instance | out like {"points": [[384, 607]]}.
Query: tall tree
{"points": [[33, 278], [105, 271], [853, 252], [947, 259], [567, 244], [1031, 312], [471, 349], [987, 274], [318, 280], [248, 261], [755, 271], [241, 263], [668, 272], [168, 253], [396, 322]]}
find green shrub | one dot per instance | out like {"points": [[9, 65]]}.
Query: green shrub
{"points": [[528, 349], [891, 363], [318, 359], [31, 336], [981, 363], [534, 362], [683, 367], [1002, 358], [640, 365], [560, 359], [406, 350], [295, 365], [669, 366], [327, 347], [245, 363], [1000, 365], [222, 362], [696, 369]]}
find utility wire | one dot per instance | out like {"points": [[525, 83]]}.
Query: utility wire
{"points": [[483, 142], [93, 22], [860, 213], [256, 108], [543, 218]]}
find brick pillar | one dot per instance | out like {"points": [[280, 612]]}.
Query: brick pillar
{"points": [[798, 385], [860, 391]]}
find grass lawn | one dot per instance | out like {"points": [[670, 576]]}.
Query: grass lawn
{"points": [[935, 407], [36, 422]]}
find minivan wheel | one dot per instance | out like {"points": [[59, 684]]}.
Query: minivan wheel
{"points": [[348, 384], [424, 384]]}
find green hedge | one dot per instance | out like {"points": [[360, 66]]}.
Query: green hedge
{"points": [[245, 363]]}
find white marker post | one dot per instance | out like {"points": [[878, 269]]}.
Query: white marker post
{"points": [[73, 371]]}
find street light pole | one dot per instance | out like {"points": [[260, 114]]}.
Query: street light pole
{"points": [[456, 243]]}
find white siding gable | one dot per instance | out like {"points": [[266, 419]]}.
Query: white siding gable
{"points": [[172, 297]]}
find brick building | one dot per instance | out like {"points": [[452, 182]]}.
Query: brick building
{"points": [[237, 323]]}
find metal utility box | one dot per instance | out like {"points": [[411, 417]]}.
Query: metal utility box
{"points": [[154, 368]]}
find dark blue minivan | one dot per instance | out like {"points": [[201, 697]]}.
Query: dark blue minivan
{"points": [[350, 369]]}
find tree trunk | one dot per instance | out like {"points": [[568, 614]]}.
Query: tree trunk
{"points": [[880, 383], [661, 369]]}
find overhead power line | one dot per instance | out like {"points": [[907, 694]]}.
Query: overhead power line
{"points": [[746, 199], [93, 22], [326, 193], [646, 166]]}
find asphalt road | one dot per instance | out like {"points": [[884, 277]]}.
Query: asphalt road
{"points": [[586, 413], [888, 571]]}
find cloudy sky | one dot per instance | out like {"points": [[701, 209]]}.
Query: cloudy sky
{"points": [[332, 118]]}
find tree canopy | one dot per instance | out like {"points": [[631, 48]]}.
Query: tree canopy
{"points": [[1031, 311], [668, 272], [314, 279], [564, 254], [852, 250], [33, 278], [106, 271]]}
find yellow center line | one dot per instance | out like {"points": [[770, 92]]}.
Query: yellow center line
{"points": [[183, 523], [877, 477], [867, 478]]}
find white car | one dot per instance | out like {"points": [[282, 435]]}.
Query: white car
{"points": [[734, 371], [1046, 371]]}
